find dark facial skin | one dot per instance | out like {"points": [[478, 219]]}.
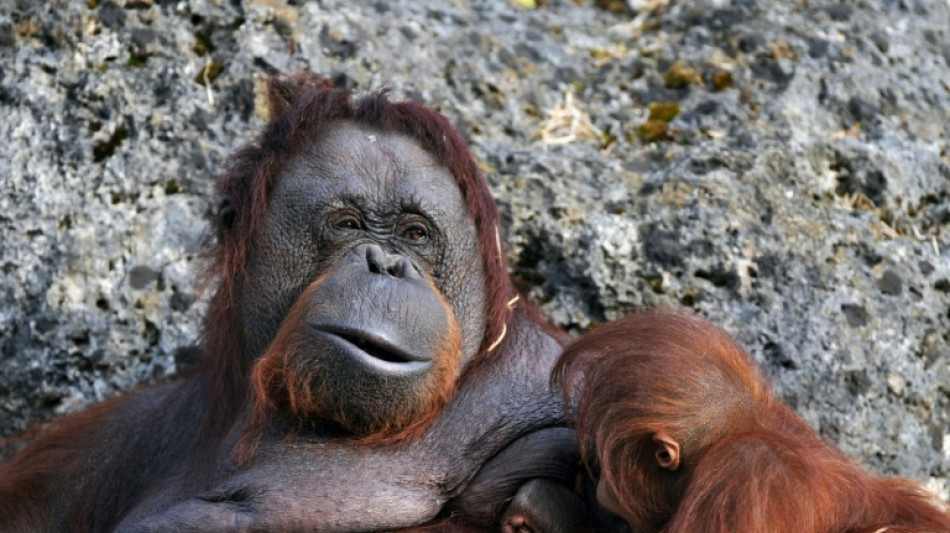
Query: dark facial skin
{"points": [[371, 239], [354, 187]]}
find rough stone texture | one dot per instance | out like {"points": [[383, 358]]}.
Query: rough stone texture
{"points": [[799, 197]]}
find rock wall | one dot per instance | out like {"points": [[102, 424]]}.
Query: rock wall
{"points": [[780, 167]]}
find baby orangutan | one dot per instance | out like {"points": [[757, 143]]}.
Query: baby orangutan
{"points": [[688, 437]]}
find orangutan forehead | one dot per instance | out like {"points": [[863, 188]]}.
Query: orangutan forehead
{"points": [[356, 160], [354, 144]]}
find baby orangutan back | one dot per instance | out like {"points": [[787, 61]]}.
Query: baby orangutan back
{"points": [[688, 437]]}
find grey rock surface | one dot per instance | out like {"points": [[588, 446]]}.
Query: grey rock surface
{"points": [[780, 167]]}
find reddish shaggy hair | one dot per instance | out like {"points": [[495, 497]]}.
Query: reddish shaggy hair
{"points": [[300, 106], [31, 478], [748, 463]]}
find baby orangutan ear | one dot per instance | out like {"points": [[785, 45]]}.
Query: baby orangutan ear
{"points": [[668, 451]]}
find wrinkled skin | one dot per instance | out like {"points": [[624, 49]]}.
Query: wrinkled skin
{"points": [[353, 186], [381, 233], [366, 265], [343, 194]]}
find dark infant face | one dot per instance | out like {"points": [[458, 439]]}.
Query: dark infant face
{"points": [[366, 282]]}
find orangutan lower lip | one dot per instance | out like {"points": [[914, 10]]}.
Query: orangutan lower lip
{"points": [[371, 344]]}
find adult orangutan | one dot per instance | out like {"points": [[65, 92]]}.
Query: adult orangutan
{"points": [[363, 357], [688, 437]]}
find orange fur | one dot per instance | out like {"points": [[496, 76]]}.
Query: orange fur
{"points": [[748, 462]]}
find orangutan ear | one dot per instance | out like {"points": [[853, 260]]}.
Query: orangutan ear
{"points": [[668, 451]]}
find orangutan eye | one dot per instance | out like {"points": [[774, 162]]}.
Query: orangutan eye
{"points": [[348, 222], [414, 228], [416, 233]]}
